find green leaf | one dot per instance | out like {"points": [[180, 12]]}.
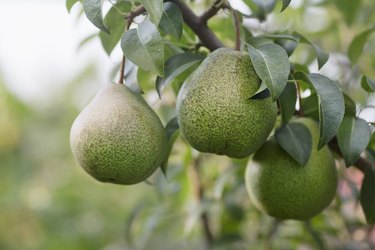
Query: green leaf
{"points": [[310, 106], [331, 104], [144, 47], [296, 140], [271, 63], [70, 3], [175, 66], [172, 130], [171, 21], [116, 24], [154, 9], [353, 137], [367, 196], [357, 44], [350, 107], [285, 5], [287, 102], [93, 11], [349, 9], [371, 144], [266, 5], [368, 84], [322, 56]]}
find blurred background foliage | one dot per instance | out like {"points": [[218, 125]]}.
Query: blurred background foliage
{"points": [[48, 202]]}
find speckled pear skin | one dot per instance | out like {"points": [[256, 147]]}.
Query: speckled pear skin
{"points": [[214, 111], [118, 138], [280, 187]]}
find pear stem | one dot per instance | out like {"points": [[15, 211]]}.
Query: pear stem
{"points": [[129, 21], [237, 24]]}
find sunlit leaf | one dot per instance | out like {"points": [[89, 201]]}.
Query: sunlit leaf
{"points": [[357, 44], [93, 11], [331, 104], [296, 140], [271, 63], [144, 47], [171, 21], [175, 66], [116, 24], [154, 9], [353, 137], [367, 196], [70, 3]]}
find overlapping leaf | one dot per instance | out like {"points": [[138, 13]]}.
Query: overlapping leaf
{"points": [[331, 104], [172, 130], [144, 47], [154, 9], [271, 63], [171, 21], [296, 140], [353, 137]]}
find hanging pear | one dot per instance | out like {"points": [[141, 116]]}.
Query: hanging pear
{"points": [[118, 138], [214, 109]]}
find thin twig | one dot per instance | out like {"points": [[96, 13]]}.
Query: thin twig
{"points": [[209, 238], [271, 233], [212, 11]]}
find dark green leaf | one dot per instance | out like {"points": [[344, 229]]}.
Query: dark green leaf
{"points": [[356, 46], [310, 107], [271, 63], [367, 196], [172, 130], [144, 47], [70, 3], [287, 102], [266, 5], [93, 11], [368, 84], [296, 140], [154, 9], [265, 93], [331, 104], [285, 5], [175, 66], [288, 42], [116, 24], [171, 21], [350, 107], [322, 56], [353, 137]]}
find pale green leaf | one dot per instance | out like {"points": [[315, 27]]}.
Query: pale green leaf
{"points": [[154, 9], [357, 44], [144, 47], [93, 11], [70, 3]]}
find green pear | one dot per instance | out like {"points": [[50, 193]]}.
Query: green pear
{"points": [[280, 187], [118, 138], [214, 109]]}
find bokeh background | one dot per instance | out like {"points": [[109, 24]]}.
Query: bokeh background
{"points": [[51, 65]]}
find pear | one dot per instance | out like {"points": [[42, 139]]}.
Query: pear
{"points": [[280, 187], [118, 138], [214, 109]]}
